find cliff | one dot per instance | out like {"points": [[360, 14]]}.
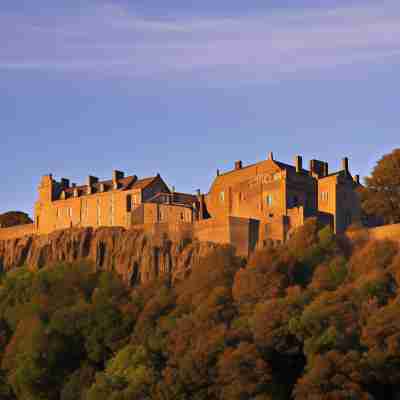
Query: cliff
{"points": [[136, 257]]}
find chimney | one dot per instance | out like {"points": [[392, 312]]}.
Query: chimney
{"points": [[238, 165], [65, 183], [217, 172], [299, 163], [76, 192], [198, 192], [356, 179], [117, 175], [91, 180], [312, 166], [270, 155], [326, 169], [345, 164]]}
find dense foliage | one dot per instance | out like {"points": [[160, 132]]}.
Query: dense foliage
{"points": [[12, 218], [316, 318], [381, 195]]}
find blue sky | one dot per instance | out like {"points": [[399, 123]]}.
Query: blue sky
{"points": [[151, 86]]}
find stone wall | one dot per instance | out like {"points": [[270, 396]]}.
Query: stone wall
{"points": [[16, 232]]}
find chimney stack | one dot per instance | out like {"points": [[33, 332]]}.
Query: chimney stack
{"points": [[270, 155], [312, 166], [238, 165], [345, 164], [117, 175], [326, 169], [91, 180], [299, 163], [65, 183]]}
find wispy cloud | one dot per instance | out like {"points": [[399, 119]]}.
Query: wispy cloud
{"points": [[115, 41]]}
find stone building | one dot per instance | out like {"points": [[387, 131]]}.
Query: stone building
{"points": [[97, 203], [278, 197], [246, 207]]}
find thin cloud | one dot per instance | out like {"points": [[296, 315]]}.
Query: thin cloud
{"points": [[114, 41]]}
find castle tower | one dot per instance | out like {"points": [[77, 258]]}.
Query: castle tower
{"points": [[46, 189]]}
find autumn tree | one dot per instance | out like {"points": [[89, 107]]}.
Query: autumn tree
{"points": [[381, 195]]}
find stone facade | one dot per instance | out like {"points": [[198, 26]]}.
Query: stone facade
{"points": [[245, 207], [281, 196]]}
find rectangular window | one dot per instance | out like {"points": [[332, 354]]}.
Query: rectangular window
{"points": [[70, 212], [112, 211], [269, 200], [98, 213], [129, 203], [222, 196], [85, 210], [324, 196]]}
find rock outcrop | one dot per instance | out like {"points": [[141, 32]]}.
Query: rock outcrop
{"points": [[137, 257]]}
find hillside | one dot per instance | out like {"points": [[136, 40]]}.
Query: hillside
{"points": [[317, 318]]}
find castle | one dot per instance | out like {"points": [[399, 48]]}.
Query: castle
{"points": [[246, 207]]}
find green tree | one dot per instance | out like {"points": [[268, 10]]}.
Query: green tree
{"points": [[381, 195]]}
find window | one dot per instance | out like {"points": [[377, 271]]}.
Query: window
{"points": [[269, 200], [70, 212], [182, 216], [129, 203], [222, 196], [112, 210], [98, 212], [324, 196], [85, 210]]}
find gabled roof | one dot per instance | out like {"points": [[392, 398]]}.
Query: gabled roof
{"points": [[129, 182], [237, 172]]}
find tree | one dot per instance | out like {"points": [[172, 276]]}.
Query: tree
{"points": [[12, 218], [381, 196]]}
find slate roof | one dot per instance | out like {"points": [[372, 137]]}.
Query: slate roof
{"points": [[129, 182]]}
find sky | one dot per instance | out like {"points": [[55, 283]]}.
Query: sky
{"points": [[185, 88]]}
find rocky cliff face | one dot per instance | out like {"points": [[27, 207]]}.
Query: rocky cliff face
{"points": [[135, 256]]}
